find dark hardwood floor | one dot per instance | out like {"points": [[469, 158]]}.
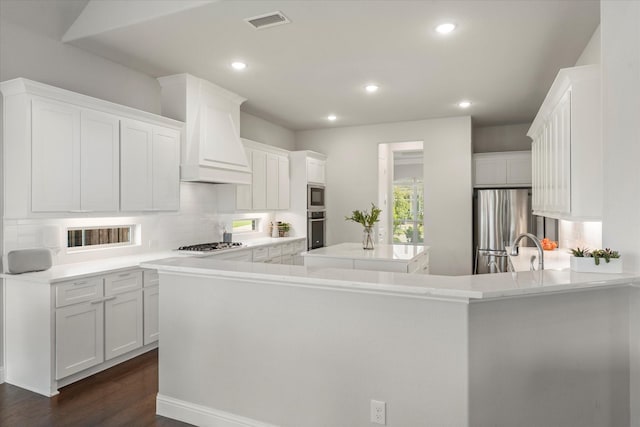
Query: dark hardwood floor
{"points": [[121, 396]]}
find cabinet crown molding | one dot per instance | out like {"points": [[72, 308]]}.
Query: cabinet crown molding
{"points": [[564, 80], [21, 85]]}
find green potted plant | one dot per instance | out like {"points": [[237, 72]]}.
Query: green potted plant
{"points": [[367, 220], [595, 261], [283, 228]]}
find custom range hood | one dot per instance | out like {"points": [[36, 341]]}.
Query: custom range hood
{"points": [[211, 150]]}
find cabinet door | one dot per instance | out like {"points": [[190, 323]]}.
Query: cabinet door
{"points": [[55, 157], [283, 182], [123, 323], [259, 179], [315, 171], [135, 166], [519, 169], [490, 171], [151, 310], [563, 153], [100, 161], [79, 337], [272, 181], [244, 191], [166, 169]]}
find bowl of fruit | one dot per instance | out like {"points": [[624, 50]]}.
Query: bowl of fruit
{"points": [[548, 245]]}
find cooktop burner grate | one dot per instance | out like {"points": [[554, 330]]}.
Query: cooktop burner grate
{"points": [[208, 247]]}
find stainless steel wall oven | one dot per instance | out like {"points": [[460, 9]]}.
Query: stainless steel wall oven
{"points": [[316, 229]]}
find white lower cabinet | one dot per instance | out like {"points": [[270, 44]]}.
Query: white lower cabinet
{"points": [[97, 319], [123, 324], [151, 300], [79, 338]]}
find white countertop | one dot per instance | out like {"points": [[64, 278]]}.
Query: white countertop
{"points": [[486, 286], [62, 272], [382, 252]]}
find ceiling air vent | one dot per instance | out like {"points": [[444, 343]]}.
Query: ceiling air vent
{"points": [[268, 20]]}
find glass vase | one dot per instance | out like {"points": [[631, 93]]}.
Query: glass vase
{"points": [[367, 238]]}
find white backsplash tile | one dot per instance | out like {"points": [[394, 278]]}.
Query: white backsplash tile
{"points": [[583, 234], [197, 221]]}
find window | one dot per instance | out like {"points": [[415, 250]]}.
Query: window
{"points": [[408, 211], [244, 225], [99, 237]]}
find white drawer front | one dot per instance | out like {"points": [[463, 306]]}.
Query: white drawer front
{"points": [[80, 290], [300, 246], [288, 249], [122, 282], [151, 278], [260, 254], [275, 251]]}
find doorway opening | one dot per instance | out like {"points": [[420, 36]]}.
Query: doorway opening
{"points": [[401, 192]]}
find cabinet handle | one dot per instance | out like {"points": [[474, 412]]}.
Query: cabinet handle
{"points": [[84, 282], [80, 211], [105, 299], [124, 274]]}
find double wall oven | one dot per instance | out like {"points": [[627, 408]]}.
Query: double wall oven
{"points": [[316, 216]]}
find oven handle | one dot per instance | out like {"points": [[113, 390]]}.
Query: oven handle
{"points": [[317, 219]]}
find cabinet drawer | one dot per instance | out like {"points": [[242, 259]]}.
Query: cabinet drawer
{"points": [[77, 291], [151, 278], [122, 282], [275, 251], [300, 246], [288, 249], [260, 254]]}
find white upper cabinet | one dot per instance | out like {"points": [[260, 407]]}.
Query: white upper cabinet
{"points": [[99, 161], [149, 168], [62, 151], [503, 169], [316, 171], [270, 183], [259, 180], [165, 176], [74, 159], [212, 150], [136, 166], [284, 183], [55, 159], [567, 147]]}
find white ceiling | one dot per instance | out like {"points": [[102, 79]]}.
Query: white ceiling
{"points": [[503, 55]]}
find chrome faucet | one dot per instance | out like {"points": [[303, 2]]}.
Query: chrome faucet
{"points": [[514, 248]]}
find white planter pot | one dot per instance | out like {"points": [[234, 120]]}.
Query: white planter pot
{"points": [[588, 265]]}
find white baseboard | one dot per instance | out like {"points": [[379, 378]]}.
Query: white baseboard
{"points": [[201, 415], [1, 375]]}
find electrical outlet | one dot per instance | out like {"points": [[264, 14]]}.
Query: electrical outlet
{"points": [[378, 412]]}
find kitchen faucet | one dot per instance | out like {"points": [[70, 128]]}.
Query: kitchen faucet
{"points": [[514, 248]]}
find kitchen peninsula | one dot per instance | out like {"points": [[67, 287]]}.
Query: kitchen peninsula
{"points": [[383, 257], [258, 344]]}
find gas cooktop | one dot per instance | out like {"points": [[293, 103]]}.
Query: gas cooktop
{"points": [[210, 247]]}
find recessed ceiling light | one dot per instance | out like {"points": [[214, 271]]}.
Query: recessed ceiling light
{"points": [[238, 65], [445, 28], [371, 88], [464, 104], [331, 117]]}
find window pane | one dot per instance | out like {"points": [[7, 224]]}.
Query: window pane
{"points": [[99, 236], [244, 225], [408, 211]]}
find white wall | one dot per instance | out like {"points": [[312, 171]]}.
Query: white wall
{"points": [[621, 151], [352, 181], [38, 57], [260, 130], [592, 51], [488, 139]]}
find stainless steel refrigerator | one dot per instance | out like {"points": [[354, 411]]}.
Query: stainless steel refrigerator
{"points": [[500, 215]]}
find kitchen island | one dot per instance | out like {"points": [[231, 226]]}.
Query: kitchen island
{"points": [[384, 257], [263, 345]]}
